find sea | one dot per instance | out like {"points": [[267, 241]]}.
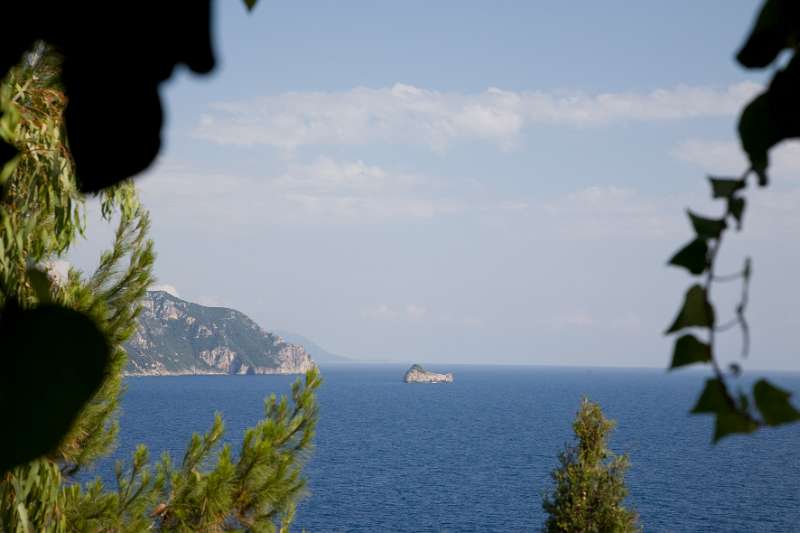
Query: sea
{"points": [[476, 455]]}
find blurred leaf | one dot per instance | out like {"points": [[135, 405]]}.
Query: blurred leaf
{"points": [[689, 350], [40, 284], [773, 403], [710, 228], [692, 257], [725, 187], [776, 28], [728, 420], [696, 311], [250, 4], [758, 133], [54, 361], [712, 399], [772, 117], [736, 209]]}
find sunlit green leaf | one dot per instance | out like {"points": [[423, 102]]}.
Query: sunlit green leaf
{"points": [[695, 312], [689, 350], [773, 403], [709, 228], [692, 257]]}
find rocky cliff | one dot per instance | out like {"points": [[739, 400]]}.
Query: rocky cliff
{"points": [[179, 337], [417, 374]]}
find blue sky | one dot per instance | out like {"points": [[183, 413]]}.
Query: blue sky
{"points": [[467, 181]]}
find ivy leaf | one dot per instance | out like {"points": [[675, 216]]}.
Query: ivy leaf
{"points": [[773, 403], [692, 257], [736, 210], [696, 311], [771, 117], [689, 350], [775, 29], [757, 133], [725, 187], [710, 228], [728, 420], [54, 360]]}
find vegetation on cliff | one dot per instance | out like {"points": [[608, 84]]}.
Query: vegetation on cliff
{"points": [[174, 336]]}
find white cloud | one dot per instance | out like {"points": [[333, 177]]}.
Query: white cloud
{"points": [[57, 270], [408, 312], [322, 191], [726, 157], [416, 312], [380, 312], [403, 114], [613, 211], [169, 289], [577, 319]]}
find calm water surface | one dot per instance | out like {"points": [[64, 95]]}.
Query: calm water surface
{"points": [[476, 455]]}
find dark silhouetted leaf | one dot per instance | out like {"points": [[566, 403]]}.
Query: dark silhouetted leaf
{"points": [[692, 257], [725, 187], [773, 403], [728, 419], [771, 117], [709, 228], [250, 4], [712, 399], [736, 209], [758, 133], [7, 152], [774, 30], [689, 350], [40, 284], [54, 359], [695, 312]]}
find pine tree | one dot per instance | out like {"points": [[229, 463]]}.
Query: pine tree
{"points": [[590, 482], [41, 216]]}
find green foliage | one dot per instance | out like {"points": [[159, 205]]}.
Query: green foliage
{"points": [[689, 350], [768, 119], [695, 311], [590, 483], [67, 336]]}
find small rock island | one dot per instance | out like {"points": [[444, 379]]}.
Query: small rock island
{"points": [[417, 374]]}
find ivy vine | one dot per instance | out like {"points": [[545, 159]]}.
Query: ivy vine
{"points": [[771, 117]]}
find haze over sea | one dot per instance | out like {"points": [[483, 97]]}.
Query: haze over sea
{"points": [[476, 455]]}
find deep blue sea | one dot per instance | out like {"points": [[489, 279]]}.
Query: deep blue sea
{"points": [[475, 455]]}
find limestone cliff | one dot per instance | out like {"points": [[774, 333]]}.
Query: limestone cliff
{"points": [[179, 337], [417, 374]]}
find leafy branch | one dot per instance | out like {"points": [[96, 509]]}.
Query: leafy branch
{"points": [[768, 119]]}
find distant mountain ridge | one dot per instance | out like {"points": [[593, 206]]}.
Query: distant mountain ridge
{"points": [[179, 337], [320, 354]]}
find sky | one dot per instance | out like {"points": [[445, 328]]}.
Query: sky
{"points": [[468, 182]]}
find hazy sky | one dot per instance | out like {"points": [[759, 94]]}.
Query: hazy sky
{"points": [[468, 181]]}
